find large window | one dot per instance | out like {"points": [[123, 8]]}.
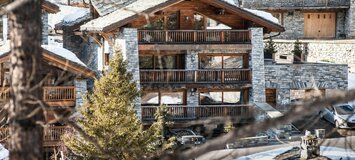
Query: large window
{"points": [[220, 97], [161, 61], [221, 61], [172, 23], [163, 97]]}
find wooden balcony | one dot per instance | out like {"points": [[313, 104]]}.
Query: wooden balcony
{"points": [[63, 96], [193, 37], [51, 136], [196, 76], [200, 112]]}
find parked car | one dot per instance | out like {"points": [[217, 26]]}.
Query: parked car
{"points": [[342, 116]]}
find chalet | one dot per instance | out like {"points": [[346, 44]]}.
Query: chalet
{"points": [[311, 19], [65, 79], [181, 57]]}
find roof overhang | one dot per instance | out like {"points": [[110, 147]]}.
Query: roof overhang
{"points": [[60, 62], [50, 7], [96, 26]]}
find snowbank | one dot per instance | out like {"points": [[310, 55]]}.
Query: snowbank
{"points": [[68, 15], [330, 152], [62, 52], [263, 14]]}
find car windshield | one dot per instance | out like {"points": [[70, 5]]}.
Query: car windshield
{"points": [[344, 109]]}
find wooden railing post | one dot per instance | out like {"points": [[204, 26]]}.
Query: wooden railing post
{"points": [[166, 36], [222, 36]]}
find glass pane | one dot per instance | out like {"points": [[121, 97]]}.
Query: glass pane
{"points": [[150, 98], [210, 62], [165, 62], [231, 97], [207, 98], [199, 22], [146, 62], [233, 61], [172, 98], [212, 24], [172, 21], [156, 25]]}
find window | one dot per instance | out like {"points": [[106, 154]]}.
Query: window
{"points": [[163, 97], [221, 61], [107, 58], [220, 97], [172, 21], [148, 61], [199, 22], [1, 29]]}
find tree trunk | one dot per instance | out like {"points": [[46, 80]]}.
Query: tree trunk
{"points": [[26, 58]]}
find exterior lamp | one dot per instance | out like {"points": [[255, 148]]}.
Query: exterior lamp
{"points": [[193, 91]]}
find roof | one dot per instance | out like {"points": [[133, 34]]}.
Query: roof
{"points": [[59, 57], [50, 7], [132, 11], [68, 16], [104, 7]]}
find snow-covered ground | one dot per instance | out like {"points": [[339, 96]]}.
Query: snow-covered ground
{"points": [[331, 152]]}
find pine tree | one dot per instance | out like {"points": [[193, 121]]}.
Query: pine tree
{"points": [[297, 51], [270, 49], [109, 118]]}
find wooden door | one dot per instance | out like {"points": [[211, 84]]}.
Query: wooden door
{"points": [[271, 97], [320, 25]]}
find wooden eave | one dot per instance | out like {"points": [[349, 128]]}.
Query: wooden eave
{"points": [[62, 63], [271, 26], [50, 7]]}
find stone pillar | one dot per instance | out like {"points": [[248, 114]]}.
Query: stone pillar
{"points": [[191, 64], [350, 20], [257, 66], [45, 28], [80, 89], [128, 42]]}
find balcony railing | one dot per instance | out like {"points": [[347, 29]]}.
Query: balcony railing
{"points": [[195, 76], [207, 111], [52, 135], [51, 95], [194, 36], [295, 3]]}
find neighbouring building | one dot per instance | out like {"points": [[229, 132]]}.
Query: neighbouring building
{"points": [[65, 79]]}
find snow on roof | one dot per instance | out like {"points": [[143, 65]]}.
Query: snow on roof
{"points": [[263, 14], [68, 15], [232, 2], [120, 14], [5, 48], [4, 153], [64, 53], [351, 81]]}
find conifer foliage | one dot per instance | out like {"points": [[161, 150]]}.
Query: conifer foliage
{"points": [[297, 51], [109, 118], [270, 49]]}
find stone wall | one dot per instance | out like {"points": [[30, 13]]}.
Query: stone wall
{"points": [[81, 89], [284, 77], [45, 28], [257, 65], [128, 41], [339, 52]]}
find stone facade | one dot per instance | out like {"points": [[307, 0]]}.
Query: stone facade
{"points": [[257, 65], [340, 52], [81, 89], [286, 77], [350, 20], [294, 4], [128, 41], [44, 28]]}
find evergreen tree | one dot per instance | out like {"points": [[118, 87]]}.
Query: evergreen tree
{"points": [[270, 49], [297, 51], [109, 118]]}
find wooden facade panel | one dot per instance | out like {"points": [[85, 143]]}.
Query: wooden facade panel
{"points": [[186, 19], [320, 25]]}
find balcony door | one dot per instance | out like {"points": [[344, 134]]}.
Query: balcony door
{"points": [[320, 25]]}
